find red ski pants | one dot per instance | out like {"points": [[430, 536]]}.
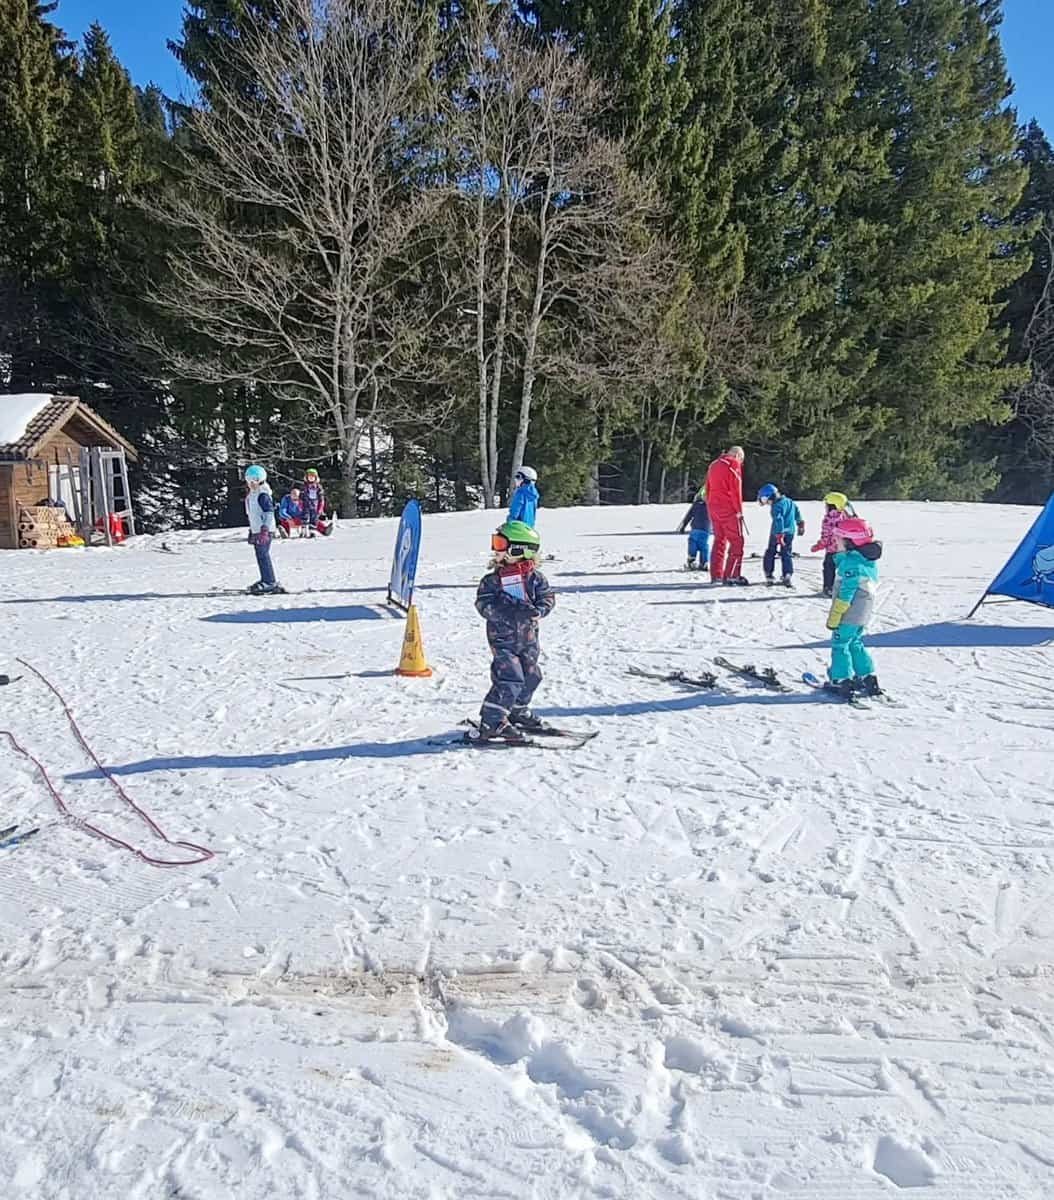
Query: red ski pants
{"points": [[728, 540]]}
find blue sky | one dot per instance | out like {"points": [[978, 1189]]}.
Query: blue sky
{"points": [[140, 29]]}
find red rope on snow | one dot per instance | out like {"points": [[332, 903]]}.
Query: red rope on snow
{"points": [[203, 854]]}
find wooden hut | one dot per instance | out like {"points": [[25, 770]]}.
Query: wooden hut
{"points": [[57, 453]]}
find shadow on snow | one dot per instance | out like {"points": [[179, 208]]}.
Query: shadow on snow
{"points": [[948, 633], [278, 616]]}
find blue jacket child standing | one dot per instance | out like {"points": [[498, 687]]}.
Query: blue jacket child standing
{"points": [[699, 539], [786, 522], [523, 506], [259, 506], [852, 668], [512, 597]]}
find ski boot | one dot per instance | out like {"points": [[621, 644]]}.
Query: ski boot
{"points": [[827, 593], [523, 718], [259, 588], [769, 580], [844, 688], [867, 685], [691, 564], [738, 581], [505, 732], [787, 581]]}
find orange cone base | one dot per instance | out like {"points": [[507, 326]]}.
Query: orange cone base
{"points": [[413, 674]]}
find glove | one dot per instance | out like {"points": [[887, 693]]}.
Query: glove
{"points": [[801, 529], [838, 610], [252, 538], [263, 538], [779, 540], [818, 546]]}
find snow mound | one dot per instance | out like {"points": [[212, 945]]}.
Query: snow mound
{"points": [[903, 1165]]}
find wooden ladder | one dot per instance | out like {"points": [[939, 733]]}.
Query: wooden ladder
{"points": [[106, 471]]}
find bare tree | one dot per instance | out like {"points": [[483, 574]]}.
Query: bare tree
{"points": [[307, 217], [570, 273]]}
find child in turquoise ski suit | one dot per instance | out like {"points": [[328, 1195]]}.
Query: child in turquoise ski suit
{"points": [[852, 667]]}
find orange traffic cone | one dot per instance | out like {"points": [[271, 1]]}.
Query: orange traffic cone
{"points": [[413, 661]]}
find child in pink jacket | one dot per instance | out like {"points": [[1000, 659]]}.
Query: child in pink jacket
{"points": [[838, 506]]}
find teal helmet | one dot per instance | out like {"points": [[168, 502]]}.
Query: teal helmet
{"points": [[255, 475]]}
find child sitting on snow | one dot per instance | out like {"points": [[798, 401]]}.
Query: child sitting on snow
{"points": [[290, 512], [852, 668], [699, 539], [786, 522], [838, 506], [512, 597]]}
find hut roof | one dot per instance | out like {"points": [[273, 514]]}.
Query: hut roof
{"points": [[26, 423]]}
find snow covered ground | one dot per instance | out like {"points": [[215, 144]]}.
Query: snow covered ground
{"points": [[743, 945]]}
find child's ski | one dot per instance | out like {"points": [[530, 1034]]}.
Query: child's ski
{"points": [[767, 677], [554, 731], [469, 740], [704, 680], [544, 729], [8, 842], [6, 679]]}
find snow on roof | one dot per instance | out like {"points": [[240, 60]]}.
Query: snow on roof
{"points": [[16, 413]]}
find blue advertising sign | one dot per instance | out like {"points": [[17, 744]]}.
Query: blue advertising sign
{"points": [[1029, 574], [404, 564]]}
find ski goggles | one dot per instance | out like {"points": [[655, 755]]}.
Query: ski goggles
{"points": [[500, 544]]}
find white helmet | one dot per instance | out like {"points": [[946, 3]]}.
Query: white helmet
{"points": [[528, 473]]}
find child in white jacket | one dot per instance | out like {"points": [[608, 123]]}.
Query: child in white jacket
{"points": [[259, 505]]}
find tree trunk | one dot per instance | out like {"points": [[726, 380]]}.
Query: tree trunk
{"points": [[349, 477], [375, 483]]}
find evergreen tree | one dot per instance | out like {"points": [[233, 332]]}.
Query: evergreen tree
{"points": [[933, 85], [1026, 445], [35, 81]]}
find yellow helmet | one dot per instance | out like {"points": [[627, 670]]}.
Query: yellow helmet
{"points": [[837, 500]]}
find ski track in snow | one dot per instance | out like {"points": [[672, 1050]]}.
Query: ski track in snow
{"points": [[742, 946]]}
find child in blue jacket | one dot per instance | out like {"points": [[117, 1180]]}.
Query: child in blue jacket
{"points": [[524, 503], [786, 522], [699, 539], [852, 668]]}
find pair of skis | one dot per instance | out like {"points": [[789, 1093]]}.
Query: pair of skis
{"points": [[767, 677], [548, 737], [10, 837]]}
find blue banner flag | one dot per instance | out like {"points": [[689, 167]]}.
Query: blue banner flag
{"points": [[1029, 574], [404, 564]]}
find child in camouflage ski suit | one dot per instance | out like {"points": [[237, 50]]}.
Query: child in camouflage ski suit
{"points": [[512, 597]]}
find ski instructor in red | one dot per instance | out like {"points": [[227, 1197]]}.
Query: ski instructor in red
{"points": [[724, 497]]}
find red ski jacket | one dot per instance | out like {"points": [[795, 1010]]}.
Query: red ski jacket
{"points": [[724, 487]]}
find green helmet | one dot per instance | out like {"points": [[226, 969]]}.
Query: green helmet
{"points": [[521, 540]]}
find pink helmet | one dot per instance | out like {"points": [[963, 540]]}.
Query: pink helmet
{"points": [[854, 530]]}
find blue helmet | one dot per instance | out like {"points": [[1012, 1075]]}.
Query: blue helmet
{"points": [[255, 475], [769, 492]]}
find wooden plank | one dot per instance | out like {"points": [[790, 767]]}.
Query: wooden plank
{"points": [[7, 475]]}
